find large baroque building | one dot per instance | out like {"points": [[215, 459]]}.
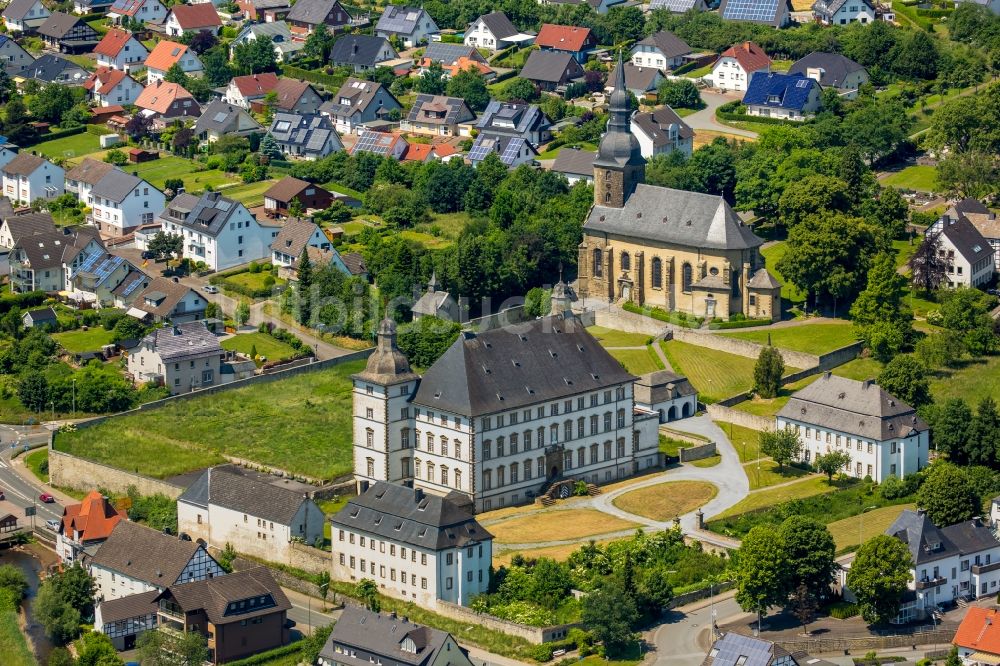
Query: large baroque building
{"points": [[501, 414], [657, 246]]}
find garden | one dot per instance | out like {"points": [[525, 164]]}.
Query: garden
{"points": [[256, 281], [260, 345]]}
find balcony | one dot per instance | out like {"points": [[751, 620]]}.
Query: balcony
{"points": [[979, 569], [929, 582]]}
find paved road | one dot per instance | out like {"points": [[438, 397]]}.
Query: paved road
{"points": [[19, 490], [705, 118], [685, 636]]}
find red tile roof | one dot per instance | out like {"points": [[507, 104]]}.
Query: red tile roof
{"points": [[750, 56], [253, 85], [160, 95], [104, 80], [201, 15], [979, 631], [165, 54], [113, 42], [418, 152], [93, 519], [562, 37]]}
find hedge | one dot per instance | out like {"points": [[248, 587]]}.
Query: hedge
{"points": [[98, 130], [843, 610], [738, 323], [28, 299], [266, 657], [314, 77], [676, 318], [58, 134], [744, 117]]}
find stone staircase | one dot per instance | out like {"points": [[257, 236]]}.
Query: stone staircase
{"points": [[558, 490]]}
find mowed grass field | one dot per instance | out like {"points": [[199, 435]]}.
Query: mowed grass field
{"points": [[771, 406], [559, 525], [558, 553], [158, 171], [814, 338], [716, 374], [873, 523], [301, 424], [765, 473], [813, 485], [976, 380], [74, 146], [638, 361], [83, 341], [249, 194], [665, 501], [609, 337], [916, 177], [272, 349]]}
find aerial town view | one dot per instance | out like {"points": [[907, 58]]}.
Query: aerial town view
{"points": [[500, 332]]}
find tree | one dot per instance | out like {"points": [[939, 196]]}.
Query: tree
{"points": [[318, 44], [270, 148], [767, 372], [51, 105], [96, 649], [116, 157], [242, 314], [158, 648], [56, 615], [762, 570], [426, 339], [432, 80], [176, 75], [255, 56], [323, 583], [216, 66], [948, 496], [832, 462], [679, 94], [783, 445], [367, 591], [166, 246], [878, 577], [804, 606], [927, 265], [138, 126], [610, 613], [879, 315], [983, 443], [810, 549], [470, 86], [183, 139], [950, 427], [227, 557], [203, 41], [304, 290], [906, 378], [971, 174], [33, 391], [519, 90]]}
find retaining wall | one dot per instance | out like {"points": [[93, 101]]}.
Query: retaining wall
{"points": [[861, 644], [535, 635], [72, 472], [698, 595], [720, 412], [697, 452], [305, 557], [740, 347], [628, 322]]}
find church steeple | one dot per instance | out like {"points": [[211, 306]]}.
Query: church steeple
{"points": [[619, 166]]}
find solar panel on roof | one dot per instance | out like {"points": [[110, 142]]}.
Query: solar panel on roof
{"points": [[91, 261], [220, 116], [512, 150], [175, 51], [132, 286], [677, 6], [483, 147], [802, 84], [761, 11]]}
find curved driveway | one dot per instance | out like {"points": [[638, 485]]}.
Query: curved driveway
{"points": [[705, 118]]}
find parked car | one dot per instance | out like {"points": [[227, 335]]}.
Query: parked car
{"points": [[2, 496], [211, 289], [47, 498], [148, 254], [52, 524]]}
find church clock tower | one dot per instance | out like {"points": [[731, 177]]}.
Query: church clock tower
{"points": [[619, 166]]}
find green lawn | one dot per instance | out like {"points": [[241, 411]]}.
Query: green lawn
{"points": [[13, 643], [846, 531], [767, 474], [771, 406], [904, 250], [638, 361], [698, 73], [450, 225], [609, 337], [83, 341], [428, 241], [158, 171], [272, 349], [772, 255], [814, 485], [813, 338], [249, 194], [976, 380], [554, 153], [301, 424], [34, 462], [77, 145], [744, 440], [254, 281], [716, 375], [859, 369], [343, 189], [916, 177]]}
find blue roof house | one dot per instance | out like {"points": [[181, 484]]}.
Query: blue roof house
{"points": [[788, 96]]}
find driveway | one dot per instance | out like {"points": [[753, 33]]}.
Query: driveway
{"points": [[705, 118]]}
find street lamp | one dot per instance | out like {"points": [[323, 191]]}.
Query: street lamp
{"points": [[52, 406], [74, 397], [861, 521]]}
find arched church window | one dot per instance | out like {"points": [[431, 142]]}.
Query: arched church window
{"points": [[607, 197], [656, 273], [626, 261], [686, 277], [607, 174], [598, 263]]}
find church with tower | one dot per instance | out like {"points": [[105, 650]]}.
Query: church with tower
{"points": [[672, 249]]}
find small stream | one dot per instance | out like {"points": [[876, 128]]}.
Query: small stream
{"points": [[31, 567]]}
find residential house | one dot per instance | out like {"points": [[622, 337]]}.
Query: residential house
{"points": [[24, 15], [143, 11], [285, 48], [110, 87], [189, 19], [513, 151], [47, 262], [166, 299], [978, 637], [551, 69], [428, 548], [454, 59], [29, 177], [260, 515], [668, 394], [411, 25], [279, 197], [842, 12], [575, 165], [425, 152], [163, 102], [50, 68], [86, 7], [970, 257], [221, 118], [775, 13], [41, 318], [359, 102], [663, 50], [123, 620], [786, 96], [661, 132], [679, 6], [131, 286], [7, 153], [599, 6], [120, 49], [306, 15], [305, 136], [734, 649], [244, 90], [495, 32], [525, 121], [361, 52], [85, 526], [294, 238], [80, 180], [737, 65], [832, 70], [255, 10], [361, 636], [95, 280], [576, 41], [640, 81], [134, 559], [182, 357], [439, 115], [218, 231], [883, 435], [981, 217], [167, 54], [434, 303], [68, 34], [15, 227], [297, 96], [122, 201], [16, 61]]}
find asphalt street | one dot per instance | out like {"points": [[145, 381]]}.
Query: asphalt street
{"points": [[17, 490]]}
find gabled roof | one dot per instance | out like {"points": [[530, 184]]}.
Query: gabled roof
{"points": [[512, 118], [206, 214], [29, 224], [116, 185], [575, 162], [928, 542], [834, 68], [358, 91], [309, 131], [379, 143], [104, 80], [562, 37], [966, 239], [763, 279], [255, 85], [507, 146], [221, 116], [41, 315], [827, 8], [499, 25], [23, 164], [667, 43], [446, 53], [660, 123], [289, 92], [294, 236], [636, 77], [159, 96], [192, 17], [427, 108], [362, 50], [126, 7], [767, 12], [113, 42], [779, 91], [287, 189], [735, 649], [383, 635], [215, 595], [48, 67], [410, 516], [231, 489], [165, 54], [18, 9], [278, 31], [401, 20], [312, 12], [58, 25], [979, 631], [179, 341], [551, 67], [750, 56], [94, 518], [354, 261], [145, 554], [132, 606]]}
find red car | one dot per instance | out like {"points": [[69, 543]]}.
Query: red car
{"points": [[47, 498]]}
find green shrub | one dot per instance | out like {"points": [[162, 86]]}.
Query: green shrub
{"points": [[738, 323], [843, 610], [677, 318]]}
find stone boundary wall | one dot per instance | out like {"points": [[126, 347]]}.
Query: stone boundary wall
{"points": [[682, 436], [70, 471], [697, 452], [536, 635], [720, 412], [305, 557], [860, 644], [740, 347], [698, 595], [627, 321]]}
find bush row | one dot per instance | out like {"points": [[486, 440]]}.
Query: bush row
{"points": [[744, 117], [282, 335], [677, 318], [738, 323], [28, 299], [269, 656], [58, 134], [331, 80], [843, 610]]}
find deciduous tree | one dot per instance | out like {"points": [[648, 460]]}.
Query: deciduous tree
{"points": [[906, 378], [783, 445], [832, 462], [762, 570], [810, 550], [878, 577], [948, 496], [610, 613]]}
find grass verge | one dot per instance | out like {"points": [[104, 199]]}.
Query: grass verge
{"points": [[846, 530], [813, 338], [665, 501], [557, 525], [35, 460], [13, 643], [770, 496], [766, 473], [264, 344], [609, 337]]}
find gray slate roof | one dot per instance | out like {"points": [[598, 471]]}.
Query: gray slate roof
{"points": [[928, 543], [667, 43], [360, 92], [411, 516], [498, 370], [29, 224], [636, 78], [575, 162], [145, 554], [665, 215], [858, 408], [132, 606], [662, 385], [551, 67], [382, 635], [206, 214], [52, 249], [49, 67], [214, 595], [313, 12], [294, 236], [89, 171], [835, 67], [499, 25], [177, 342], [426, 107], [220, 116], [116, 185], [967, 240], [229, 488], [58, 25], [363, 50], [763, 279], [657, 124], [400, 20], [448, 53], [524, 117], [17, 9], [23, 164], [41, 315], [830, 7], [309, 131]]}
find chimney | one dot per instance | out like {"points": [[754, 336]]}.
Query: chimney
{"points": [[418, 495], [868, 383]]}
